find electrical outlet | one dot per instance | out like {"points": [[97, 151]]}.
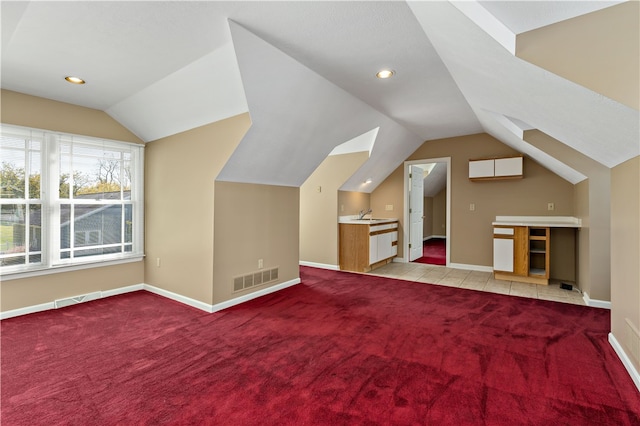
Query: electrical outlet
{"points": [[260, 264], [388, 207], [341, 207], [551, 206], [472, 207], [158, 262]]}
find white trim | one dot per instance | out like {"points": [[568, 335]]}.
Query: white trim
{"points": [[434, 236], [471, 267], [594, 303], [26, 310], [70, 268], [405, 247], [161, 292], [631, 369], [123, 290], [320, 265], [245, 298], [179, 298]]}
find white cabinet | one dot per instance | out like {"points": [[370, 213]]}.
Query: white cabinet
{"points": [[373, 248], [364, 246], [505, 167], [503, 255], [481, 168], [381, 246], [521, 253], [496, 168]]}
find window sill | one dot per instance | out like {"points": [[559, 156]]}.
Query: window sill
{"points": [[69, 268]]}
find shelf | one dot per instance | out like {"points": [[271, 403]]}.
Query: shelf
{"points": [[538, 251], [537, 271]]}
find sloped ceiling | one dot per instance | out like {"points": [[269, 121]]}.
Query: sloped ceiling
{"points": [[305, 72]]}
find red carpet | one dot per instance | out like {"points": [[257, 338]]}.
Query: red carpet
{"points": [[434, 252], [338, 349]]}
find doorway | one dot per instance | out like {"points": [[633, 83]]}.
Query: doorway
{"points": [[427, 234]]}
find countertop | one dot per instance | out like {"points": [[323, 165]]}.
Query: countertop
{"points": [[370, 221], [547, 221]]}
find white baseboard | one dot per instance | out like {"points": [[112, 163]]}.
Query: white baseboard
{"points": [[122, 290], [27, 310], [320, 265], [179, 298], [245, 298], [161, 292], [470, 267], [434, 236], [594, 303], [635, 376]]}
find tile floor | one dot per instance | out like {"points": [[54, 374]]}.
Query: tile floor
{"points": [[476, 280]]}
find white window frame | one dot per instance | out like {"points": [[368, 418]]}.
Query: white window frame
{"points": [[51, 202]]}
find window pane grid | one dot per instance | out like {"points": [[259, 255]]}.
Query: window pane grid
{"points": [[20, 204], [90, 211]]}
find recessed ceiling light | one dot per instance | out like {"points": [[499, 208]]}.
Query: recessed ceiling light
{"points": [[74, 80], [368, 180], [385, 73]]}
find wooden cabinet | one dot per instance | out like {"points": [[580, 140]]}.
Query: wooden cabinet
{"points": [[521, 253], [496, 168], [363, 247]]}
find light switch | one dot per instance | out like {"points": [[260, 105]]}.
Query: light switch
{"points": [[319, 189], [388, 207]]}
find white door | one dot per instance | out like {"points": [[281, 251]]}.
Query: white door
{"points": [[416, 212]]}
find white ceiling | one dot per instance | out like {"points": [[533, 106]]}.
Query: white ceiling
{"points": [[305, 72]]}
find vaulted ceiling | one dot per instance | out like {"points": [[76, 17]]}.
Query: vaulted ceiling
{"points": [[305, 71]]}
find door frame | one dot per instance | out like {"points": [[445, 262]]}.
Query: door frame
{"points": [[407, 220]]}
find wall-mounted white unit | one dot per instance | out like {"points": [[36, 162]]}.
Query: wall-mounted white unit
{"points": [[496, 168]]}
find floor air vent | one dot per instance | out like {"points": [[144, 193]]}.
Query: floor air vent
{"points": [[253, 279], [61, 303]]}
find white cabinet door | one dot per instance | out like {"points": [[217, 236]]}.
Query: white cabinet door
{"points": [[384, 246], [508, 166], [373, 249], [481, 168], [503, 254]]}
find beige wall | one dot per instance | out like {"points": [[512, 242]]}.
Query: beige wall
{"points": [[391, 192], [319, 207], [254, 222], [427, 224], [179, 205], [30, 111], [350, 203], [439, 213], [592, 205], [625, 252], [435, 212], [471, 231], [598, 50]]}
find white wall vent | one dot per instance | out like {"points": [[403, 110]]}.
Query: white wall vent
{"points": [[61, 303], [256, 278]]}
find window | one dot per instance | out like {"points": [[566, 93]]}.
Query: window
{"points": [[67, 199]]}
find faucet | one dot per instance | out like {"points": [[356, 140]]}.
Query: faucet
{"points": [[364, 213]]}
